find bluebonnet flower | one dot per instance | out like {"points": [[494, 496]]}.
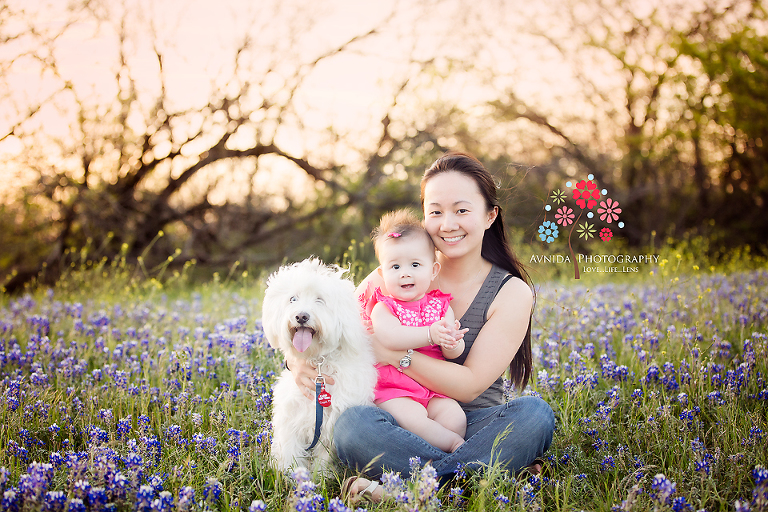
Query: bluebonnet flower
{"points": [[106, 415], [97, 498], [427, 485], [124, 427], [144, 422], [680, 504], [97, 436], [156, 481], [652, 375], [335, 505], [39, 379], [607, 464], [392, 483], [760, 475], [501, 498], [741, 506], [164, 502], [173, 432], [144, 497], [56, 459], [54, 501], [82, 488], [257, 506], [212, 490], [460, 472], [526, 494], [715, 398], [663, 488], [12, 403], [456, 496], [186, 498], [76, 505]]}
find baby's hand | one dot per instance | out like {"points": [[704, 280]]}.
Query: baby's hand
{"points": [[444, 335]]}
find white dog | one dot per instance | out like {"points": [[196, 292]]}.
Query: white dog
{"points": [[311, 311]]}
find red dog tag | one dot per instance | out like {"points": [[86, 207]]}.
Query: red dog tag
{"points": [[324, 398]]}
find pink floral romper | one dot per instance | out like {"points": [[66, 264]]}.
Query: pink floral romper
{"points": [[420, 313]]}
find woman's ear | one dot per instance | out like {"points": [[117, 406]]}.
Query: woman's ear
{"points": [[492, 214]]}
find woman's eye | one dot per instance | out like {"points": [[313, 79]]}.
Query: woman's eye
{"points": [[462, 210]]}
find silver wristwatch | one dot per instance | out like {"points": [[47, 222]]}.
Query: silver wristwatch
{"points": [[405, 362]]}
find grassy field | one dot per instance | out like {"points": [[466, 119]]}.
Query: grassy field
{"points": [[131, 389]]}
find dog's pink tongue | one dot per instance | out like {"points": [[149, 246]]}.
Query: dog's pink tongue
{"points": [[302, 339]]}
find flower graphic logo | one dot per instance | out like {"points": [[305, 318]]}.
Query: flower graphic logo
{"points": [[609, 210], [548, 231], [558, 196], [586, 230], [565, 216], [587, 196]]}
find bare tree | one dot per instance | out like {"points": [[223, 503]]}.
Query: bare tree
{"points": [[135, 168]]}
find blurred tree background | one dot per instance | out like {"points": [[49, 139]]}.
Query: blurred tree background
{"points": [[267, 131]]}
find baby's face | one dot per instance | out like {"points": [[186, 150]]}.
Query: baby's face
{"points": [[408, 266]]}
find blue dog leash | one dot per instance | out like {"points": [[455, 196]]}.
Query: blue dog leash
{"points": [[318, 411], [319, 389]]}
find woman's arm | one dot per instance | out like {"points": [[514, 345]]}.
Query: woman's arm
{"points": [[493, 350]]}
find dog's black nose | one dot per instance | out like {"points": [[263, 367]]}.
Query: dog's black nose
{"points": [[302, 318]]}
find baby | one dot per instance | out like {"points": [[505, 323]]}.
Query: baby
{"points": [[408, 266]]}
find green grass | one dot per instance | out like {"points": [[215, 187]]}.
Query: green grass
{"points": [[184, 364]]}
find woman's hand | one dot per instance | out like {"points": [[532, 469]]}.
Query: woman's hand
{"points": [[304, 375], [384, 355]]}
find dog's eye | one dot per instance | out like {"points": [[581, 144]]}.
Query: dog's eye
{"points": [[294, 298], [319, 301]]}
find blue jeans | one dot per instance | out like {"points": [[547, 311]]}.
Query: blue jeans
{"points": [[369, 439]]}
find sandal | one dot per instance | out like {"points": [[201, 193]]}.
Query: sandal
{"points": [[362, 496], [531, 468]]}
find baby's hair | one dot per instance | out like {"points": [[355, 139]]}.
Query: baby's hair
{"points": [[396, 225]]}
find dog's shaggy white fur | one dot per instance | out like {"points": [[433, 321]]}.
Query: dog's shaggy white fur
{"points": [[311, 311]]}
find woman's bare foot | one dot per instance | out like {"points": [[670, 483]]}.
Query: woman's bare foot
{"points": [[357, 489]]}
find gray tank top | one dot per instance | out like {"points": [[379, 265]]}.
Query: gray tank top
{"points": [[474, 319]]}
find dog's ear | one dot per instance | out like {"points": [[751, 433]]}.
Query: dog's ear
{"points": [[269, 311]]}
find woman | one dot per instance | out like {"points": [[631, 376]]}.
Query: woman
{"points": [[492, 299]]}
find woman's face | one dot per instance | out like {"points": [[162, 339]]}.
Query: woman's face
{"points": [[455, 214]]}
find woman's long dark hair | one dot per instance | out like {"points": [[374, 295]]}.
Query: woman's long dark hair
{"points": [[495, 248]]}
